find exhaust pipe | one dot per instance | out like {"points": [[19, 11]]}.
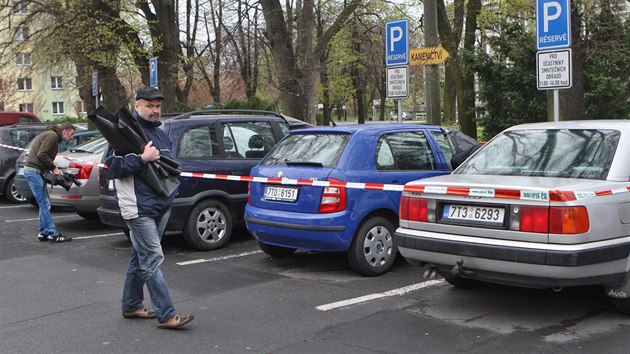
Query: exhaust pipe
{"points": [[430, 273]]}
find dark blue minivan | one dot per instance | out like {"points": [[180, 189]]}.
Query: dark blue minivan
{"points": [[227, 142], [361, 222]]}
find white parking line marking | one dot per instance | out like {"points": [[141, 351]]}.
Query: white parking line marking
{"points": [[54, 217], [16, 206], [244, 254], [97, 236], [394, 292]]}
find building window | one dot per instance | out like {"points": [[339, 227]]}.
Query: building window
{"points": [[58, 108], [21, 33], [26, 107], [25, 84], [23, 59], [56, 82], [79, 107], [20, 7]]}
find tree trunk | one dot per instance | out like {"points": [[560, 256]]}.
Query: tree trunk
{"points": [[297, 66], [450, 96], [572, 99], [464, 78], [164, 29]]}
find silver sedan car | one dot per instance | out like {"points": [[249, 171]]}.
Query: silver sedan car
{"points": [[544, 205], [80, 161]]}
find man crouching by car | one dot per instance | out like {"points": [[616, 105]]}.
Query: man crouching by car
{"points": [[40, 159]]}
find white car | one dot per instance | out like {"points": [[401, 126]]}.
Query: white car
{"points": [[544, 205]]}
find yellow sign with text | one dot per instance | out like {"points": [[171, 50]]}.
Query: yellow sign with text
{"points": [[427, 56]]}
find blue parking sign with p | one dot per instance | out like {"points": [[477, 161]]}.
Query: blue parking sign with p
{"points": [[553, 24], [153, 72], [396, 43]]}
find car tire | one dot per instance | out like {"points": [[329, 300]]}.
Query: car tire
{"points": [[622, 305], [33, 202], [87, 215], [209, 226], [458, 282], [373, 250], [11, 193], [276, 251]]}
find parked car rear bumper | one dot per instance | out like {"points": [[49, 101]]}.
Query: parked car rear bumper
{"points": [[80, 203], [316, 232], [109, 214], [3, 181], [530, 264]]}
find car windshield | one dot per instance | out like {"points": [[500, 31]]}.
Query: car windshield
{"points": [[308, 149], [565, 153]]}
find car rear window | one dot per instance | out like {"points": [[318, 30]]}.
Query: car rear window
{"points": [[95, 145], [309, 149], [21, 138], [566, 153]]}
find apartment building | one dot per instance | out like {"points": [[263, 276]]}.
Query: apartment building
{"points": [[30, 80]]}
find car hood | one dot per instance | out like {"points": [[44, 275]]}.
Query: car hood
{"points": [[518, 182]]}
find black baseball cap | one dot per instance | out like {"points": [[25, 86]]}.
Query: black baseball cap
{"points": [[148, 93]]}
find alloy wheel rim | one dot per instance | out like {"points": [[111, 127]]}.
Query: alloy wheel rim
{"points": [[211, 225], [378, 246]]}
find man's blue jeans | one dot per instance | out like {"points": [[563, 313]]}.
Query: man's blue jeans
{"points": [[145, 267], [38, 187]]}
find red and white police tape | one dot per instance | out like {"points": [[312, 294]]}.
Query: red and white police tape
{"points": [[66, 157], [518, 194]]}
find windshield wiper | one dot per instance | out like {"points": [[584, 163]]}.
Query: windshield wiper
{"points": [[304, 163]]}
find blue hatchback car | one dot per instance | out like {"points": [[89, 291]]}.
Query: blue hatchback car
{"points": [[284, 218]]}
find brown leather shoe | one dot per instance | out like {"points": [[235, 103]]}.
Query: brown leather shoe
{"points": [[139, 313], [176, 321]]}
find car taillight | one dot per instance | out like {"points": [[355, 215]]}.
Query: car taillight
{"points": [[413, 209], [555, 220], [333, 199], [568, 220], [534, 219], [79, 170]]}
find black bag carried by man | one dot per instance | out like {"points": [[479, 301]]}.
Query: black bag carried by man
{"points": [[126, 136]]}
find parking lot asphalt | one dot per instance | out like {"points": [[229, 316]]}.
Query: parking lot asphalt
{"points": [[65, 298]]}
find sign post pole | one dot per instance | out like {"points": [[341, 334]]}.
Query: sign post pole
{"points": [[553, 30], [556, 105]]}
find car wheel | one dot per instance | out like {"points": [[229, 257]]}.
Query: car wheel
{"points": [[209, 226], [33, 202], [276, 251], [88, 215], [458, 282], [11, 193], [622, 305], [373, 250]]}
